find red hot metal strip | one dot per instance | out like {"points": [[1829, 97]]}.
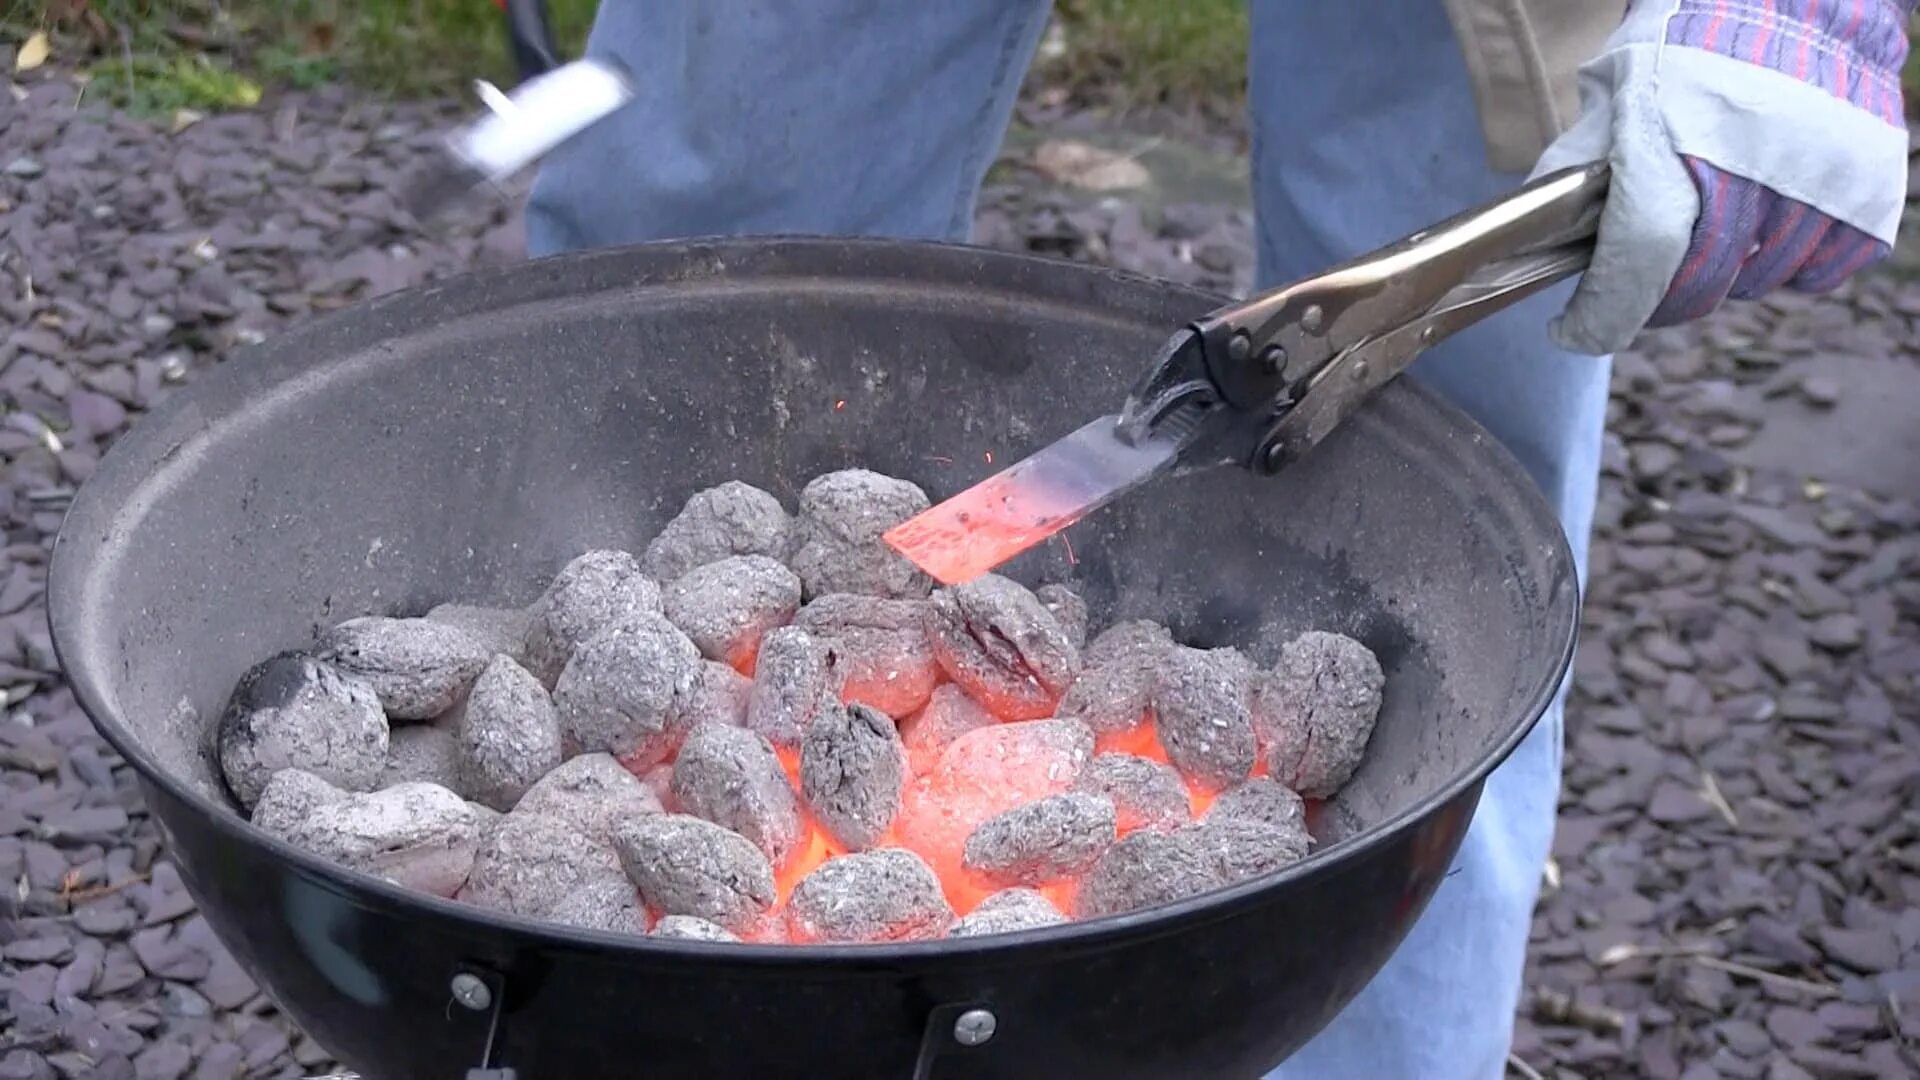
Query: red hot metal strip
{"points": [[991, 522]]}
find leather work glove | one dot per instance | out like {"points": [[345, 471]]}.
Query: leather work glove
{"points": [[1754, 144]]}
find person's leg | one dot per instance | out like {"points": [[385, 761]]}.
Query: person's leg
{"points": [[1364, 131], [842, 117]]}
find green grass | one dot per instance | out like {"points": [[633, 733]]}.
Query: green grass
{"points": [[1135, 51], [1132, 51]]}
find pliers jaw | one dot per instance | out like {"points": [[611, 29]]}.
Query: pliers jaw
{"points": [[1260, 382]]}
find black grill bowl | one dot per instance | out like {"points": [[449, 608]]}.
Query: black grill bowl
{"points": [[462, 441]]}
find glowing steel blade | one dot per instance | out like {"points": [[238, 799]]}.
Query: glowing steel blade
{"points": [[1013, 510]]}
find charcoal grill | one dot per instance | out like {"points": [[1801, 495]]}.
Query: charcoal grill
{"points": [[464, 439]]}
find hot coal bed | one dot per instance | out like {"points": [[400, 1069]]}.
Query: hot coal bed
{"points": [[771, 727]]}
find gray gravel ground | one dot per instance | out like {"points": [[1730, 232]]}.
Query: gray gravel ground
{"points": [[1736, 885]]}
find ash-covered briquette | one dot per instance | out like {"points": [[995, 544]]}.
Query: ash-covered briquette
{"points": [[421, 836], [1114, 688], [508, 732], [290, 797], [1041, 842], [794, 676], [500, 631], [1112, 696], [617, 693], [853, 769], [686, 866], [417, 667], [596, 592], [725, 607], [1067, 609], [689, 928], [839, 549], [1261, 800], [1144, 869], [423, 753], [606, 903], [871, 896], [1316, 711], [1203, 713], [1007, 911], [994, 638], [1146, 794], [1240, 848], [731, 777], [590, 793], [292, 711], [732, 519], [532, 865], [717, 695], [880, 649], [1128, 640], [949, 714]]}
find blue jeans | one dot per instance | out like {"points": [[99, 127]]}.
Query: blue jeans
{"points": [[871, 117]]}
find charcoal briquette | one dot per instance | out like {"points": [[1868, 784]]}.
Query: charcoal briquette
{"points": [[590, 793], [532, 865], [1146, 794], [999, 642], [691, 928], [1112, 696], [1317, 710], [1067, 609], [293, 711], [871, 896], [725, 607], [793, 678], [508, 733], [1241, 848], [417, 667], [720, 522], [1007, 911], [880, 649], [1127, 640], [1144, 869], [421, 836], [595, 593], [1203, 713], [1040, 842], [422, 753], [290, 797], [1262, 800], [717, 695], [853, 770], [608, 903], [839, 549], [500, 631], [684, 865], [617, 692], [949, 714], [732, 777]]}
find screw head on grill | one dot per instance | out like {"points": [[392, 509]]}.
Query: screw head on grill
{"points": [[471, 991], [973, 1027]]}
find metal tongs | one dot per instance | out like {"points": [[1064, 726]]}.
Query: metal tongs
{"points": [[1259, 383]]}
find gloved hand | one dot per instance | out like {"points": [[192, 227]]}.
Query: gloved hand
{"points": [[1754, 144]]}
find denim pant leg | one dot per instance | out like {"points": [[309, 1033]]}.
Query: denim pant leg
{"points": [[1365, 130], [832, 117]]}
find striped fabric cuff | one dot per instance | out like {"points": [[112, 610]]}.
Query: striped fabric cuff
{"points": [[1852, 49]]}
